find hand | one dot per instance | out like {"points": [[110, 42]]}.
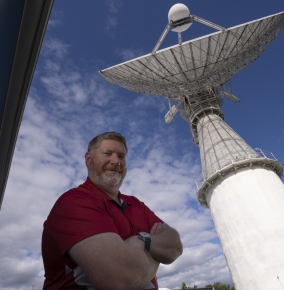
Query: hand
{"points": [[157, 228], [166, 245]]}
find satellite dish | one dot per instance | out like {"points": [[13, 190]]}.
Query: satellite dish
{"points": [[199, 64], [179, 14]]}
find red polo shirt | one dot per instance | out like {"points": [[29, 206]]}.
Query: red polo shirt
{"points": [[78, 214]]}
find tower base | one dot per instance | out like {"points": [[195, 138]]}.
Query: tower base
{"points": [[247, 208]]}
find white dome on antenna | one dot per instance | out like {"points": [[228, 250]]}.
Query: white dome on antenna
{"points": [[177, 12]]}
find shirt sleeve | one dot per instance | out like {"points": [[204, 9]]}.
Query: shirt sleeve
{"points": [[75, 217], [152, 218], [149, 214]]}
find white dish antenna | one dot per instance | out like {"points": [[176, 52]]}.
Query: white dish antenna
{"points": [[197, 65]]}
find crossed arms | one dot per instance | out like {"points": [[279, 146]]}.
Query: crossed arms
{"points": [[111, 263]]}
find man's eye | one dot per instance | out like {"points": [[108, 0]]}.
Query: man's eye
{"points": [[121, 157], [107, 153]]}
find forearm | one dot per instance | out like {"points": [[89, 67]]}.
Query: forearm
{"points": [[111, 263], [143, 266], [166, 246]]}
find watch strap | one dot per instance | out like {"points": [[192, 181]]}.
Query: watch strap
{"points": [[147, 240], [147, 244]]}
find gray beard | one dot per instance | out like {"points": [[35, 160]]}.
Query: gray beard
{"points": [[106, 182]]}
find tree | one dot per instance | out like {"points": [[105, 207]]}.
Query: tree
{"points": [[216, 285], [185, 287], [220, 286]]}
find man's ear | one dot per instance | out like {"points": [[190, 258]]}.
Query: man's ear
{"points": [[87, 158]]}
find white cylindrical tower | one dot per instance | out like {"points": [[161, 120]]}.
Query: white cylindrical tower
{"points": [[246, 198]]}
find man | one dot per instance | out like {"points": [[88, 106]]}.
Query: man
{"points": [[97, 238]]}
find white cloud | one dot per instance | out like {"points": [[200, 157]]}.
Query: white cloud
{"points": [[54, 23], [55, 19], [112, 22], [198, 266], [113, 5], [55, 46], [112, 16], [127, 53]]}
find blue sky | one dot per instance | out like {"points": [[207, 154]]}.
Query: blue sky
{"points": [[69, 103]]}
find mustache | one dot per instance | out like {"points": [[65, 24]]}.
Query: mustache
{"points": [[116, 168]]}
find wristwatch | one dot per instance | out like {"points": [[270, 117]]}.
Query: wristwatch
{"points": [[146, 238]]}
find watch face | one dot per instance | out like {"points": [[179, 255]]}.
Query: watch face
{"points": [[146, 238], [144, 235]]}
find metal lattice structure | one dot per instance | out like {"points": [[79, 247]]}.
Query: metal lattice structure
{"points": [[197, 65], [220, 145], [223, 151]]}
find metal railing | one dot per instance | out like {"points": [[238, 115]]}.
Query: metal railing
{"points": [[262, 158], [216, 166], [265, 154]]}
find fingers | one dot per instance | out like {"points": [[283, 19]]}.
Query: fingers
{"points": [[160, 228], [156, 229], [153, 229]]}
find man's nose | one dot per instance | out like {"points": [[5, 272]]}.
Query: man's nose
{"points": [[114, 159]]}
